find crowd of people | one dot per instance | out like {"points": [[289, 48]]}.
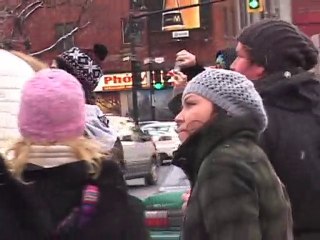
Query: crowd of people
{"points": [[250, 144], [63, 178]]}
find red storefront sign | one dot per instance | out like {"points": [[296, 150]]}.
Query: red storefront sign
{"points": [[121, 81]]}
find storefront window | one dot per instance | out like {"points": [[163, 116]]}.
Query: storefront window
{"points": [[109, 102], [161, 101]]}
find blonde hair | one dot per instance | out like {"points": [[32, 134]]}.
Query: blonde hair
{"points": [[83, 148], [33, 62]]}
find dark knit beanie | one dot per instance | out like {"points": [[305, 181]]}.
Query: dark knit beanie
{"points": [[278, 46], [84, 64]]}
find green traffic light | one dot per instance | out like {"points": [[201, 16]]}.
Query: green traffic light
{"points": [[254, 4], [158, 86]]}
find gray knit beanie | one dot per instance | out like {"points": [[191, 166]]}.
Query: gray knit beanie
{"points": [[231, 91]]}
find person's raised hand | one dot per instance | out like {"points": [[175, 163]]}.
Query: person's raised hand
{"points": [[185, 59]]}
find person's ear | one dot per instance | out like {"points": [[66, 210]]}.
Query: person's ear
{"points": [[259, 71]]}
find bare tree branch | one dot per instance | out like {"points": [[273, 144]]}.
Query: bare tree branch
{"points": [[20, 18], [84, 7], [32, 11], [72, 32], [24, 10], [4, 15], [18, 6], [28, 7]]}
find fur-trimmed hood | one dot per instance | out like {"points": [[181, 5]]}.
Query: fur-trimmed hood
{"points": [[97, 127]]}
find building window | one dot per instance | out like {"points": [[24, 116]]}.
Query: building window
{"points": [[137, 4], [62, 29], [135, 29]]}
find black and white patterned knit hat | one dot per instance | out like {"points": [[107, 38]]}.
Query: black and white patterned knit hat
{"points": [[231, 91], [84, 64]]}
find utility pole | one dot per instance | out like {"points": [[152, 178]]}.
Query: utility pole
{"points": [[136, 74]]}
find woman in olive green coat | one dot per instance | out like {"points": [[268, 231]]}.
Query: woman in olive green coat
{"points": [[235, 193]]}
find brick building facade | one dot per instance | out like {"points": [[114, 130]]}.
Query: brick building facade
{"points": [[106, 18], [219, 24], [35, 26]]}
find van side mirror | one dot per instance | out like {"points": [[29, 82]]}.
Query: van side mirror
{"points": [[126, 138], [145, 138]]}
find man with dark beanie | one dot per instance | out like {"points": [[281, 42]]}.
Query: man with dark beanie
{"points": [[275, 46], [277, 57]]}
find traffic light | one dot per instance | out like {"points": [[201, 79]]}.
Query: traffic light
{"points": [[160, 80], [158, 85], [157, 80], [255, 6]]}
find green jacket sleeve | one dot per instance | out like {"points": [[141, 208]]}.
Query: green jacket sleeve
{"points": [[229, 201]]}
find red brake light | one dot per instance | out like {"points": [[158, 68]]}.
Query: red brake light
{"points": [[157, 219]]}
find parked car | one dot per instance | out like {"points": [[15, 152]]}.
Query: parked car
{"points": [[143, 123], [164, 214], [140, 155], [165, 138]]}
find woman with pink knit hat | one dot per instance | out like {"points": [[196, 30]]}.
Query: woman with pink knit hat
{"points": [[55, 185]]}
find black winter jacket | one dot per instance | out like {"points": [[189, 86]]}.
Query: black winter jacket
{"points": [[33, 210], [292, 141]]}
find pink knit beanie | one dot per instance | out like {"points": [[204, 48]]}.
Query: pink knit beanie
{"points": [[52, 107]]}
